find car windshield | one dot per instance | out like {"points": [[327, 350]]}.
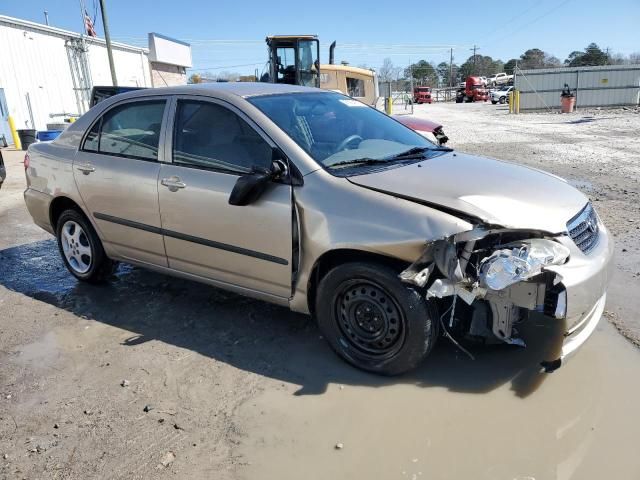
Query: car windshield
{"points": [[338, 131]]}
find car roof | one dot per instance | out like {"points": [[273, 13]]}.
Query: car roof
{"points": [[223, 89]]}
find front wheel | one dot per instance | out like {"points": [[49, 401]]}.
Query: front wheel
{"points": [[373, 320], [494, 102], [81, 249]]}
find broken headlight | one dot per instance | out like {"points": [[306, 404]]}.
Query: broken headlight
{"points": [[519, 261]]}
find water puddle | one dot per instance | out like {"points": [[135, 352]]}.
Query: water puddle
{"points": [[580, 423]]}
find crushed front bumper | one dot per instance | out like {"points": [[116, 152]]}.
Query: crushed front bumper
{"points": [[578, 334], [585, 278]]}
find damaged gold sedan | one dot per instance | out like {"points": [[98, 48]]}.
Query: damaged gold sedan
{"points": [[315, 201]]}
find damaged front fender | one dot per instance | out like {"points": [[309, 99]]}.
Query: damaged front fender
{"points": [[500, 270]]}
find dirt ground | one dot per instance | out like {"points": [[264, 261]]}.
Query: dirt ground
{"points": [[155, 377]]}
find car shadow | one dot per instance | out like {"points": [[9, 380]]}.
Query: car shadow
{"points": [[256, 336]]}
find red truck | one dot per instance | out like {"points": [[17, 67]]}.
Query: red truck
{"points": [[473, 91], [422, 94]]}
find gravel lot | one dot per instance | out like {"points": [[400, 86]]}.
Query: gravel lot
{"points": [[155, 377]]}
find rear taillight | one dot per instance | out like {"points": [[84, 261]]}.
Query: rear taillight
{"points": [[26, 161]]}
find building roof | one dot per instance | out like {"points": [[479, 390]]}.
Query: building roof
{"points": [[39, 27]]}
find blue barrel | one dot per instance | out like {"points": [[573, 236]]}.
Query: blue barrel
{"points": [[46, 135]]}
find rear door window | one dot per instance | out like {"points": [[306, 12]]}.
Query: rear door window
{"points": [[129, 130]]}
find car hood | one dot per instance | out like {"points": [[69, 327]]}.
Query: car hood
{"points": [[493, 191]]}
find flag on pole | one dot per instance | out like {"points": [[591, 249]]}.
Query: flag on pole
{"points": [[88, 24]]}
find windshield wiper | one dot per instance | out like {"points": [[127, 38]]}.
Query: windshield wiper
{"points": [[417, 152], [412, 153], [358, 161]]}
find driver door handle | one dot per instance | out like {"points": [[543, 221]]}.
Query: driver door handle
{"points": [[173, 183], [86, 168]]}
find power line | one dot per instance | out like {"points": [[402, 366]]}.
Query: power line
{"points": [[522, 27], [508, 22]]}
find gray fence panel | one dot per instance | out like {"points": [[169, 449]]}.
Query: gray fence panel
{"points": [[610, 85]]}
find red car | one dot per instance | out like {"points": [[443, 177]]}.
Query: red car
{"points": [[432, 130], [422, 94]]}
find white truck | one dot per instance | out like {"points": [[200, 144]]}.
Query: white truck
{"points": [[500, 79]]}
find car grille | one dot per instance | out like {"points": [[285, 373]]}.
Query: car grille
{"points": [[584, 230]]}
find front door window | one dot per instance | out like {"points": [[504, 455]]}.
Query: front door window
{"points": [[210, 136]]}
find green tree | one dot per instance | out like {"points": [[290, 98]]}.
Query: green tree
{"points": [[592, 56], [480, 66], [573, 57], [510, 66], [423, 73], [536, 58], [443, 73]]}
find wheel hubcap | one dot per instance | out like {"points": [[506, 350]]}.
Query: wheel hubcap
{"points": [[369, 319], [76, 247]]}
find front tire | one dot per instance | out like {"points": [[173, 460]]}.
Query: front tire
{"points": [[81, 249], [373, 320]]}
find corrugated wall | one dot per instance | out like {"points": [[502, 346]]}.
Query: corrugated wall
{"points": [[606, 86], [35, 62]]}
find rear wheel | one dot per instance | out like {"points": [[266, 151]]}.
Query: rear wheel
{"points": [[373, 320], [81, 249], [502, 100]]}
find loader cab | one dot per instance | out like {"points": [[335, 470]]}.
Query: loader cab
{"points": [[294, 60]]}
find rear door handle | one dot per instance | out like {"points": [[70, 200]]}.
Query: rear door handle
{"points": [[87, 168], [173, 183]]}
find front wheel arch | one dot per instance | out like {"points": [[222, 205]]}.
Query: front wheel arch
{"points": [[373, 320], [333, 258]]}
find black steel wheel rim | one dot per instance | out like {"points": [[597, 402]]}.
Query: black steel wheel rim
{"points": [[370, 319]]}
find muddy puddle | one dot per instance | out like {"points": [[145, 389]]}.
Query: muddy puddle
{"points": [[289, 401], [459, 419]]}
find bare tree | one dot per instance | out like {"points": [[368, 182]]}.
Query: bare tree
{"points": [[388, 72]]}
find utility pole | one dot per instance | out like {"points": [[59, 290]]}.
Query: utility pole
{"points": [[411, 84], [107, 37], [451, 68], [475, 71]]}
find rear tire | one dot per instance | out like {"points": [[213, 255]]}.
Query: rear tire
{"points": [[502, 100], [81, 249], [373, 320]]}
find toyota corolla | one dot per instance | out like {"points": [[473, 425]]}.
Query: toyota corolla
{"points": [[312, 200]]}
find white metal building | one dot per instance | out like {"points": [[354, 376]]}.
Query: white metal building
{"points": [[46, 73], [603, 86]]}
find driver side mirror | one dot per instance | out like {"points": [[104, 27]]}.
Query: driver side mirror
{"points": [[250, 187]]}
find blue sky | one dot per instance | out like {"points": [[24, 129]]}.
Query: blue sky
{"points": [[230, 35]]}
